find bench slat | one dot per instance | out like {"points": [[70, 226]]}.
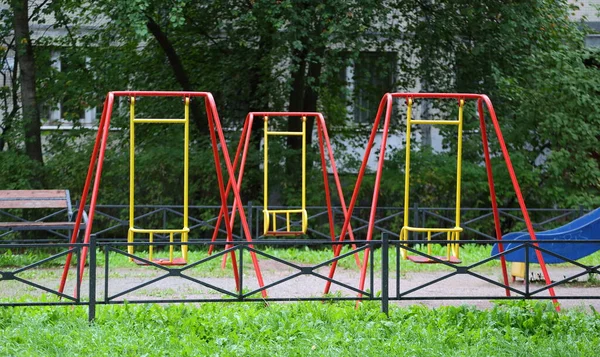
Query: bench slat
{"points": [[33, 199], [21, 226]]}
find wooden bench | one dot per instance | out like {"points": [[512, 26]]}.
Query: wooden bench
{"points": [[32, 199]]}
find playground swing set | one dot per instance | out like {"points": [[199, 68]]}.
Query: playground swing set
{"points": [[290, 228], [271, 216]]}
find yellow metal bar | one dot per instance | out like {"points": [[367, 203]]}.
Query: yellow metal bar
{"points": [[461, 106], [270, 223], [151, 248], [171, 248], [286, 133], [130, 249], [184, 248], [160, 121], [186, 171], [303, 171], [304, 221], [429, 244], [449, 245], [442, 122], [403, 236], [186, 142], [130, 234], [420, 229], [452, 234], [266, 221], [141, 230], [407, 162], [266, 172], [285, 210]]}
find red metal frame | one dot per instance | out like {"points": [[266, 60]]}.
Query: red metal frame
{"points": [[97, 160], [324, 142], [386, 104]]}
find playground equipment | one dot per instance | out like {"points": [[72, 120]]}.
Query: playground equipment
{"points": [[270, 216], [270, 226], [452, 234], [220, 152], [386, 106], [171, 232], [582, 229]]}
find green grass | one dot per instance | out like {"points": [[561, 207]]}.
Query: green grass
{"points": [[299, 329]]}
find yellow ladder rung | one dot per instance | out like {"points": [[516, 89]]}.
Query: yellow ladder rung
{"points": [[285, 133], [142, 230], [437, 230], [160, 121], [432, 122]]}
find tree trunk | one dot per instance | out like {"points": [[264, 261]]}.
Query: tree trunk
{"points": [[31, 113], [311, 96], [296, 103], [180, 73]]}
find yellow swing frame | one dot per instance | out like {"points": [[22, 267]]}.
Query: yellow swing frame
{"points": [[185, 229], [452, 234], [270, 215]]}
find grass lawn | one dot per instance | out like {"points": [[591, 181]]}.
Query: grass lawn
{"points": [[299, 329]]}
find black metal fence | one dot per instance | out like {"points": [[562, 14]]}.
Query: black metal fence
{"points": [[111, 221], [202, 280]]}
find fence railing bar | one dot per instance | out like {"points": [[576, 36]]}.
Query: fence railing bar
{"points": [[41, 287]]}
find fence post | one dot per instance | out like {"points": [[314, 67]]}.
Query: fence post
{"points": [[414, 235], [249, 215], [92, 283], [385, 274], [527, 296]]}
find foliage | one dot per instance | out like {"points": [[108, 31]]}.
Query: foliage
{"points": [[263, 55], [532, 329], [528, 56]]}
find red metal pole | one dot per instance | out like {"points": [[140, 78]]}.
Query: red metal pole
{"points": [[517, 189], [325, 182], [378, 173], [214, 117], [95, 189], [236, 204], [385, 102], [320, 128], [224, 209], [338, 184], [216, 231], [83, 199], [490, 177]]}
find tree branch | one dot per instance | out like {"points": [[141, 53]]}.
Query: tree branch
{"points": [[178, 70]]}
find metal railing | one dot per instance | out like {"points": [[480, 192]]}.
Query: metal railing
{"points": [[203, 281], [111, 221]]}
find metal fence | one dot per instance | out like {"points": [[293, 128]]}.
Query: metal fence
{"points": [[203, 280], [112, 221]]}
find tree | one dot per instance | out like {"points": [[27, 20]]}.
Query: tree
{"points": [[528, 56], [24, 54]]}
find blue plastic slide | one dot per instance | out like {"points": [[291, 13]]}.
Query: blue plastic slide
{"points": [[582, 229]]}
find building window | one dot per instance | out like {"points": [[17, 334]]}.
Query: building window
{"points": [[70, 109], [368, 79]]}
